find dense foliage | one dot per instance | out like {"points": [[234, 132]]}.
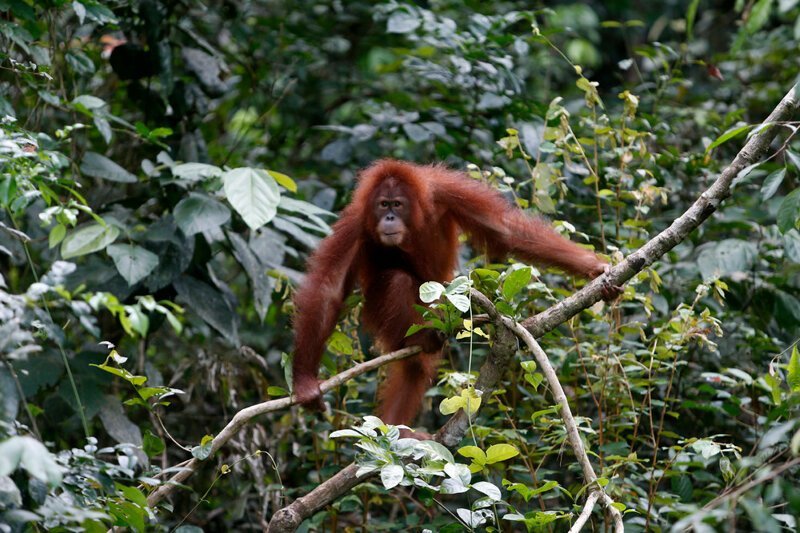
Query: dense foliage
{"points": [[167, 166]]}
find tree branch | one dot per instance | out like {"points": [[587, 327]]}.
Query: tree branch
{"points": [[571, 426], [704, 206], [290, 517], [494, 367], [248, 413], [504, 347]]}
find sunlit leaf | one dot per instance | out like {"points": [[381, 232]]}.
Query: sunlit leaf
{"points": [[253, 193], [88, 239]]}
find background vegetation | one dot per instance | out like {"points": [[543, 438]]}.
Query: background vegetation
{"points": [[132, 137]]}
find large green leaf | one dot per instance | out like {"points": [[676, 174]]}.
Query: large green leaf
{"points": [[253, 193], [195, 171], [134, 263], [88, 239], [516, 281], [31, 455], [262, 284], [789, 211], [99, 166], [200, 212], [211, 305], [726, 257]]}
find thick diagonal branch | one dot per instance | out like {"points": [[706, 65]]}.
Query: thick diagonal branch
{"points": [[450, 434], [703, 207]]}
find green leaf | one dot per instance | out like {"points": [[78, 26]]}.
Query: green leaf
{"points": [[459, 301], [88, 102], [793, 378], [771, 183], [515, 282], [500, 452], [88, 239], [435, 451], [133, 494], [134, 263], [726, 257], [402, 21], [448, 406], [547, 486], [774, 387], [474, 453], [759, 16], [489, 489], [31, 455], [195, 171], [152, 444], [57, 235], [211, 305], [204, 449], [340, 343], [430, 291], [468, 399], [99, 166], [133, 379], [728, 135], [199, 213], [253, 193], [691, 12], [789, 211], [391, 476], [795, 443], [682, 486], [137, 320], [791, 245], [459, 285], [706, 448]]}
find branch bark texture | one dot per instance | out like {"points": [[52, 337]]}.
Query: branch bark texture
{"points": [[249, 413], [703, 207], [290, 517]]}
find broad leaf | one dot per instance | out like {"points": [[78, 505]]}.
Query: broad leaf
{"points": [[391, 476], [771, 183], [430, 291], [195, 171], [728, 135], [515, 282], [789, 212], [402, 22], [199, 213], [31, 455], [99, 166], [134, 263], [489, 489], [253, 193], [500, 452], [88, 239], [725, 258], [211, 305]]}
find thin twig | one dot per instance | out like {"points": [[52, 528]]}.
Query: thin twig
{"points": [[573, 436], [588, 507], [248, 413]]}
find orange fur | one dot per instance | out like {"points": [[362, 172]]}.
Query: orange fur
{"points": [[443, 203]]}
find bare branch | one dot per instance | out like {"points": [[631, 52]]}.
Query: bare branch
{"points": [[586, 512], [450, 434], [573, 436], [248, 413], [704, 206]]}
